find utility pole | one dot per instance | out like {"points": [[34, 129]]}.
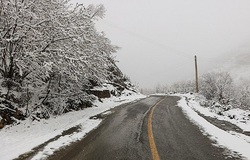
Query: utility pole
{"points": [[196, 75]]}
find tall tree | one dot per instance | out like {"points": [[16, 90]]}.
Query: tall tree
{"points": [[50, 51]]}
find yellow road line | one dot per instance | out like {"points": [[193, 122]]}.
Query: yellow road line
{"points": [[152, 145]]}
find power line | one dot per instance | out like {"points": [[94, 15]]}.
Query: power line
{"points": [[203, 58], [146, 39]]}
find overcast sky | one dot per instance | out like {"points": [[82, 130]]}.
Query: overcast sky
{"points": [[159, 38]]}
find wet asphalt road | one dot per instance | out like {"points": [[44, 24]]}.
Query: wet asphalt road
{"points": [[124, 135]]}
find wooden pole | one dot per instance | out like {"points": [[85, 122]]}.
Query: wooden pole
{"points": [[196, 75]]}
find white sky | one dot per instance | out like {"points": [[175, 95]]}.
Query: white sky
{"points": [[159, 38]]}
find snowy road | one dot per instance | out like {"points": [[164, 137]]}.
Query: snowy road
{"points": [[126, 134]]}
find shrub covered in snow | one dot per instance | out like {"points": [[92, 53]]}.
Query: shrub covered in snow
{"points": [[243, 95], [214, 109], [217, 87]]}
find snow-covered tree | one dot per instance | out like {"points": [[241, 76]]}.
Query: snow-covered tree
{"points": [[182, 86], [243, 94], [217, 86], [51, 53]]}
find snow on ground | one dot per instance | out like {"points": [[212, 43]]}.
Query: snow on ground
{"points": [[17, 140], [239, 117], [233, 141]]}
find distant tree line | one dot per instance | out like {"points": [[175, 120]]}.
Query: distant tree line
{"points": [[215, 87]]}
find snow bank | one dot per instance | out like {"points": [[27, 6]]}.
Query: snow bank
{"points": [[17, 140], [234, 142], [239, 117]]}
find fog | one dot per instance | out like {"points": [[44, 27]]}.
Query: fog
{"points": [[159, 38]]}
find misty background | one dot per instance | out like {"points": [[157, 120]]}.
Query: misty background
{"points": [[159, 38]]}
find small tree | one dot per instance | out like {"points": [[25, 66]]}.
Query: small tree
{"points": [[243, 95], [217, 86]]}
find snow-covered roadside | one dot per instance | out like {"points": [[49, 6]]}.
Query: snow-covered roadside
{"points": [[24, 137], [235, 116], [233, 141]]}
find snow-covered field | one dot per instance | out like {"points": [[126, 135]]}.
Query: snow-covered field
{"points": [[234, 142], [17, 140]]}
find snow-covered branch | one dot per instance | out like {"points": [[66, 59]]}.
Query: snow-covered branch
{"points": [[51, 54]]}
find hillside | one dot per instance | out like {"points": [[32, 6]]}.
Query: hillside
{"points": [[237, 63], [53, 60]]}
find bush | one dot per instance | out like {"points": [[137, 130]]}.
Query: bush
{"points": [[217, 87]]}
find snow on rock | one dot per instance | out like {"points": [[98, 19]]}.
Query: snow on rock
{"points": [[28, 134], [231, 140]]}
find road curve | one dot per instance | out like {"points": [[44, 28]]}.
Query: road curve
{"points": [[125, 135]]}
